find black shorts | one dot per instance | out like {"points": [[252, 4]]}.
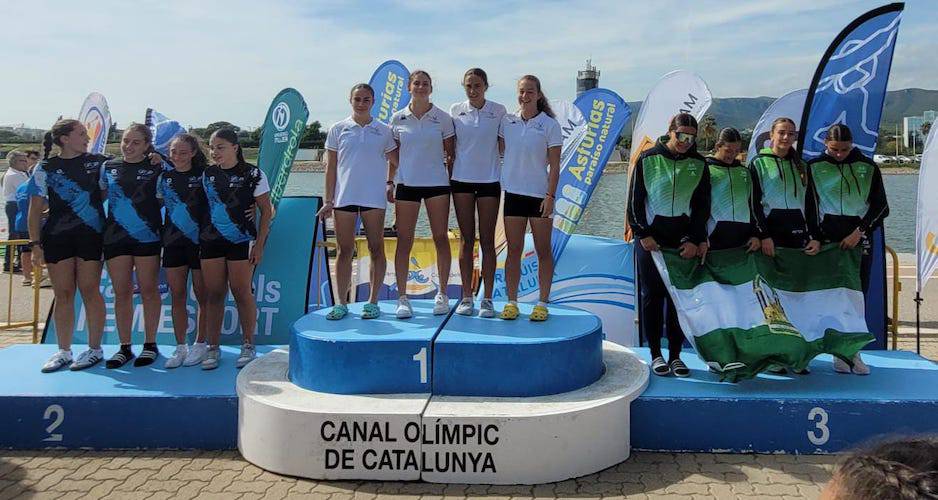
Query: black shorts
{"points": [[479, 189], [137, 250], [181, 255], [230, 251], [519, 205], [355, 209], [85, 247], [419, 193]]}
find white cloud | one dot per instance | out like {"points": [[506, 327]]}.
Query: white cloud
{"points": [[225, 60]]}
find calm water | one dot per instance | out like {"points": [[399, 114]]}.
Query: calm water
{"points": [[606, 211]]}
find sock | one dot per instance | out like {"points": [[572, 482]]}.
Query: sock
{"points": [[198, 344], [67, 352], [513, 302], [183, 347], [149, 346], [542, 303], [126, 348]]}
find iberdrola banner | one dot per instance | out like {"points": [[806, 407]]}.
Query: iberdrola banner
{"points": [[679, 91], [604, 116], [96, 117], [164, 130], [745, 311], [391, 95], [282, 132]]}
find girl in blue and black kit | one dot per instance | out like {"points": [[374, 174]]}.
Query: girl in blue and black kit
{"points": [[181, 188], [132, 241], [231, 243], [69, 187]]}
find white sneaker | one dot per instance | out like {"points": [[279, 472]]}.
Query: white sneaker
{"points": [[466, 307], [211, 360], [441, 304], [859, 367], [87, 359], [178, 357], [59, 360], [404, 310], [841, 366], [196, 354], [248, 353], [486, 309]]}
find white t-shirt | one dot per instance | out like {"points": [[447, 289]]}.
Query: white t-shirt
{"points": [[421, 155], [477, 158], [12, 180], [362, 165], [525, 168]]}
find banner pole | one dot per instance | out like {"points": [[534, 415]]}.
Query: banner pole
{"points": [[918, 324]]}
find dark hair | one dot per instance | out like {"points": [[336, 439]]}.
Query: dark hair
{"points": [[60, 129], [728, 135], [477, 72], [199, 160], [364, 86], [840, 133], [900, 469], [415, 73], [142, 130], [542, 104], [682, 120], [229, 135]]}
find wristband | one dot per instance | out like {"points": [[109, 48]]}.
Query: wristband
{"points": [[548, 195], [35, 244]]}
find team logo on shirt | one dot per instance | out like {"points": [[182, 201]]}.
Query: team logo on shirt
{"points": [[280, 116]]}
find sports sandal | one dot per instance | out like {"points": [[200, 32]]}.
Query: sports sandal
{"points": [[371, 311], [338, 312], [510, 311], [539, 313]]}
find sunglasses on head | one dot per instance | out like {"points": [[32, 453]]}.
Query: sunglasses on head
{"points": [[686, 138]]}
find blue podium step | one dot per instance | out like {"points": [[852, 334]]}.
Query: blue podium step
{"points": [[475, 356], [188, 408], [357, 356]]}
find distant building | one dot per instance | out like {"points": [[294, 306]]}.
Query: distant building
{"points": [[912, 127], [32, 134], [587, 79]]}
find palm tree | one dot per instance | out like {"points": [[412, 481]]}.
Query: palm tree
{"points": [[708, 131]]}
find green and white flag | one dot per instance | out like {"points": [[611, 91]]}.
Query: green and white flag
{"points": [[745, 311]]}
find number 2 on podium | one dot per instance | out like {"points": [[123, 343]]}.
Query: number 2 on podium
{"points": [[421, 357]]}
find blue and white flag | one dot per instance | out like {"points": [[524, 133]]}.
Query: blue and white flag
{"points": [[604, 115], [391, 95], [96, 117], [164, 130], [849, 85]]}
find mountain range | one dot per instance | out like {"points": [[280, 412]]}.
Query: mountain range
{"points": [[744, 112]]}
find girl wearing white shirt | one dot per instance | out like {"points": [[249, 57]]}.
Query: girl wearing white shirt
{"points": [[358, 150], [475, 183], [531, 141], [425, 138]]}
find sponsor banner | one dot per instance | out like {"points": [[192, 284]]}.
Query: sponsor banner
{"points": [[679, 91], [96, 117], [604, 116], [280, 290], [164, 130], [282, 132], [849, 85], [391, 95], [744, 311], [597, 276], [423, 279], [926, 213], [790, 105]]}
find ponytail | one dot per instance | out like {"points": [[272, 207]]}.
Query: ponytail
{"points": [[46, 145], [543, 105]]}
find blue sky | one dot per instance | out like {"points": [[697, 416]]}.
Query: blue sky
{"points": [[225, 59]]}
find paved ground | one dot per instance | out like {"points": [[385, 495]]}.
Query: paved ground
{"points": [[225, 475]]}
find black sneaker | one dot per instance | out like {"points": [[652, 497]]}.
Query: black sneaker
{"points": [[119, 359], [147, 356]]}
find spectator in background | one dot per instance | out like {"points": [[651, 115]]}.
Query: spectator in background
{"points": [[21, 228], [904, 469], [15, 176]]}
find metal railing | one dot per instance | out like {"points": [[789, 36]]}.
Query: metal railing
{"points": [[10, 248], [896, 289]]}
